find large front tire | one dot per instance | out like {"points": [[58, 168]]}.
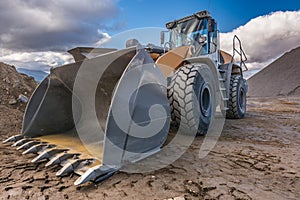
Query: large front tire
{"points": [[192, 97]]}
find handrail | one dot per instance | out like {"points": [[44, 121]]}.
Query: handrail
{"points": [[239, 51]]}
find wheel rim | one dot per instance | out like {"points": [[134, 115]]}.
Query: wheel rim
{"points": [[205, 99]]}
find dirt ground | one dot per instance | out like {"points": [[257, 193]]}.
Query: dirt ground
{"points": [[255, 158], [14, 84]]}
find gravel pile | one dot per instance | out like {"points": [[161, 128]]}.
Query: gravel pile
{"points": [[280, 78]]}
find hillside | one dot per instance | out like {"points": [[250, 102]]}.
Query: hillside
{"points": [[14, 86], [280, 78], [36, 74]]}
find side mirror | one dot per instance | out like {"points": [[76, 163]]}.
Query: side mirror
{"points": [[162, 37]]}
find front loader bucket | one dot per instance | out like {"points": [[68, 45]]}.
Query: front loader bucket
{"points": [[94, 116]]}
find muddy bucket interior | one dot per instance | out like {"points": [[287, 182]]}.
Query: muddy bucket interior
{"points": [[109, 110]]}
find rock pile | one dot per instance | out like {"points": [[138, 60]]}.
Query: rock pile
{"points": [[280, 78], [15, 88]]}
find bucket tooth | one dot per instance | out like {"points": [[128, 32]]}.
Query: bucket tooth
{"points": [[39, 147], [47, 154], [89, 175], [29, 144], [21, 142], [129, 101], [72, 166], [61, 158], [13, 138], [96, 173]]}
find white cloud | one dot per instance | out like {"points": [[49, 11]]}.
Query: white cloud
{"points": [[42, 61], [54, 24], [265, 38], [36, 34], [104, 39]]}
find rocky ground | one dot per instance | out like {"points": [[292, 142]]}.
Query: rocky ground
{"points": [[255, 158], [15, 88]]}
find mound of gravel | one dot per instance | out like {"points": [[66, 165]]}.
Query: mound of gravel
{"points": [[15, 88], [280, 78]]}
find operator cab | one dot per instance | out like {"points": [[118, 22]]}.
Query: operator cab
{"points": [[191, 36], [199, 31]]}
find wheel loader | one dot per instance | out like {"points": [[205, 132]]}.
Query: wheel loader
{"points": [[114, 108]]}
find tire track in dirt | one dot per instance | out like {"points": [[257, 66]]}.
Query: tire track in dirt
{"points": [[255, 158]]}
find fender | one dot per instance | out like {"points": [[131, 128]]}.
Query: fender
{"points": [[207, 61]]}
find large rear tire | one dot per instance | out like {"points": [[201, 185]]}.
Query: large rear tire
{"points": [[192, 94], [237, 98]]}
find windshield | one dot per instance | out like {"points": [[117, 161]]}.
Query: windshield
{"points": [[188, 33]]}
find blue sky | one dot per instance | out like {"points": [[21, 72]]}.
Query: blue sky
{"points": [[36, 34], [230, 14]]}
